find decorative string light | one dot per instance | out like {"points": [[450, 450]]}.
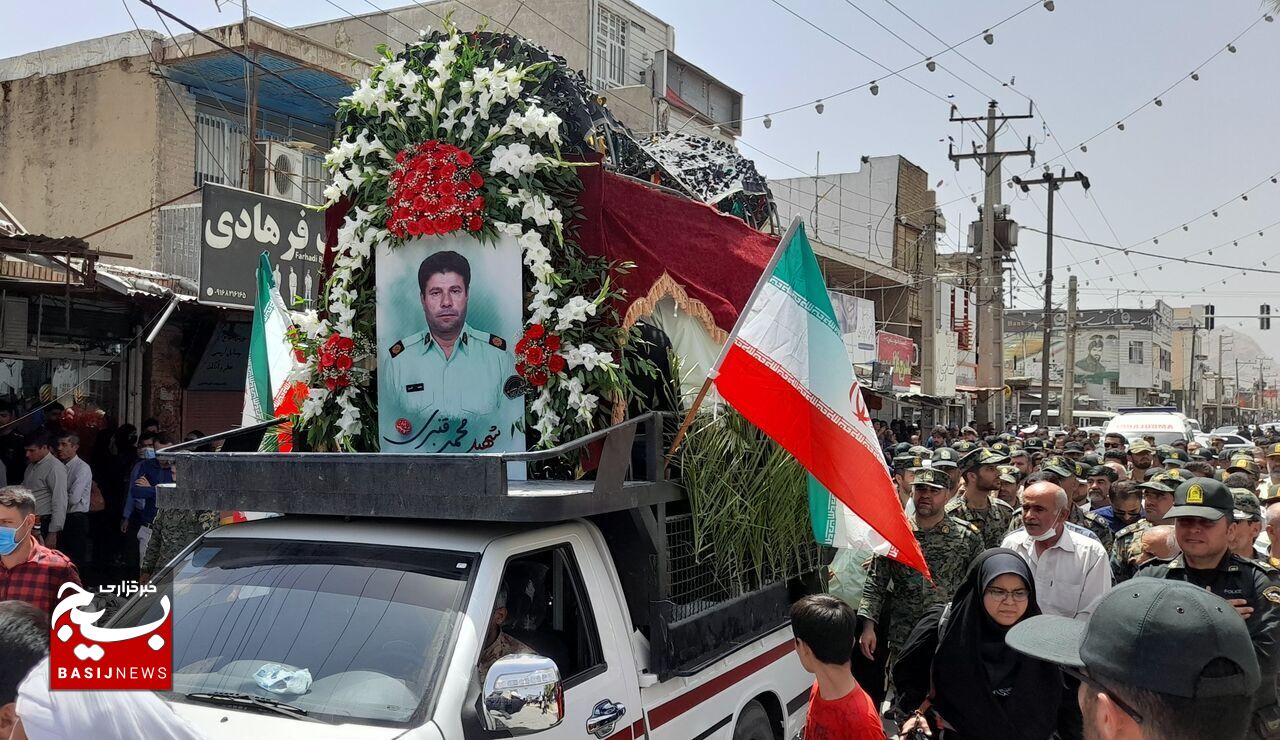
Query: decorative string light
{"points": [[931, 65], [1231, 48], [1195, 76], [989, 37], [1159, 102], [1120, 125], [768, 123], [875, 88], [818, 106], [1048, 5]]}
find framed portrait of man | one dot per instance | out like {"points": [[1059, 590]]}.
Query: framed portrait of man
{"points": [[448, 312]]}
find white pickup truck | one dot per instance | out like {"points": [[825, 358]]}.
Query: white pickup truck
{"points": [[371, 618]]}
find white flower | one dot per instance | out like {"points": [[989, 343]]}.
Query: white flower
{"points": [[308, 322], [508, 229], [588, 407], [540, 308], [575, 311], [368, 96], [542, 404], [515, 160], [313, 405], [586, 356]]}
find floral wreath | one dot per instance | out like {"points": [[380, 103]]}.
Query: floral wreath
{"points": [[450, 136]]}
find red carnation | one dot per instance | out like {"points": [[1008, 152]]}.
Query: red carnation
{"points": [[404, 427], [535, 331], [453, 221], [521, 344], [474, 223], [535, 356], [538, 378], [343, 363], [476, 180], [331, 384], [553, 342], [464, 159], [343, 381], [346, 344], [556, 364]]}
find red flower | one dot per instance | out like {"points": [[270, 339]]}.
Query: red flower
{"points": [[298, 356], [538, 378], [520, 369], [453, 221], [404, 426], [326, 360], [474, 223], [464, 159], [331, 383], [476, 180], [521, 344], [343, 362], [535, 356], [343, 381], [535, 331], [556, 364], [552, 343]]}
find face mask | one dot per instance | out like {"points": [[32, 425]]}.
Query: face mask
{"points": [[148, 453], [9, 539]]}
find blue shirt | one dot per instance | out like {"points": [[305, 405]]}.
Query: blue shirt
{"points": [[141, 503], [1109, 515]]}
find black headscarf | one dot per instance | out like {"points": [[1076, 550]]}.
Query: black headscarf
{"points": [[980, 686]]}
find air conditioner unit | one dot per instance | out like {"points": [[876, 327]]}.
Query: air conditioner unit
{"points": [[284, 171]]}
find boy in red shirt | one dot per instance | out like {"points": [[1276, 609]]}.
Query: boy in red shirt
{"points": [[839, 709]]}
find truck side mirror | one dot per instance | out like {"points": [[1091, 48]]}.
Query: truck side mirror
{"points": [[522, 694]]}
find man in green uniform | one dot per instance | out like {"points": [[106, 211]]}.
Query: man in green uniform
{"points": [[171, 531], [949, 546], [446, 389], [1141, 457], [1157, 498], [945, 458], [980, 505], [1203, 518], [1269, 488], [1248, 525]]}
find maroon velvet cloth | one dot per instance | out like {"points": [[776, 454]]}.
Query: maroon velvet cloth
{"points": [[716, 258]]}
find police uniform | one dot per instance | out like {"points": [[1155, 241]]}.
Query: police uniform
{"points": [[428, 391], [949, 548], [1233, 578]]}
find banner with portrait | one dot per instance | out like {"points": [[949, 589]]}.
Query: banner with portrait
{"points": [[448, 314]]}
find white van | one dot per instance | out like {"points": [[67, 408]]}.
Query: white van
{"points": [[1165, 423]]}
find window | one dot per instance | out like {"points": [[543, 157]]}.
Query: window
{"points": [[219, 150], [548, 611], [1115, 387], [1136, 354], [611, 50]]}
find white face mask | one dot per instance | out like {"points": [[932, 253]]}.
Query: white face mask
{"points": [[1046, 535]]}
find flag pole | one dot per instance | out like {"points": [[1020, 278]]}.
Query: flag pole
{"points": [[795, 225]]}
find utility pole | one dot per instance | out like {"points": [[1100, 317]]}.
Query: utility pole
{"points": [[250, 103], [1067, 406], [990, 268], [1191, 375], [1052, 183], [1219, 386]]}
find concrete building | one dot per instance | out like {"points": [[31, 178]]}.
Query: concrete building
{"points": [[109, 130], [1122, 357], [625, 52]]}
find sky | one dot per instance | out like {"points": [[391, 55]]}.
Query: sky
{"points": [[1088, 64]]}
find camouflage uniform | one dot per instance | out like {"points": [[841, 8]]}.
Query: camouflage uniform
{"points": [[949, 548], [171, 531], [1128, 545], [992, 522]]}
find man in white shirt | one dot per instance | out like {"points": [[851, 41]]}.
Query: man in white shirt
{"points": [[75, 531], [1071, 569]]}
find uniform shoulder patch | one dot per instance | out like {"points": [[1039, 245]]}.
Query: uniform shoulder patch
{"points": [[999, 502], [967, 526], [396, 349], [1272, 594], [497, 341], [1263, 566]]}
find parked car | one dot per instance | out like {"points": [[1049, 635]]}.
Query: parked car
{"points": [[1234, 442]]}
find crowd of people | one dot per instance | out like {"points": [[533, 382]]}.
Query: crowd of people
{"points": [[1106, 540]]}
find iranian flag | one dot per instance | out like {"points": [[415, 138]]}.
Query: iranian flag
{"points": [[269, 388], [785, 368]]}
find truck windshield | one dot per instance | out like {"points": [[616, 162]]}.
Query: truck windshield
{"points": [[370, 624]]}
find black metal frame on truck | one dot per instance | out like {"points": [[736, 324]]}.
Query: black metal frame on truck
{"points": [[643, 516]]}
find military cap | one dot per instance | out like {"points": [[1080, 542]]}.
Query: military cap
{"points": [[1273, 450], [969, 430], [901, 448], [1074, 447], [1001, 447], [1248, 508], [903, 461], [933, 478], [920, 451], [1090, 459], [1175, 457], [1008, 438], [1203, 453], [964, 446], [1243, 463], [1059, 466], [983, 456], [1162, 483], [1143, 617], [1140, 446], [1103, 471], [1010, 474], [1205, 498], [944, 457], [1034, 443]]}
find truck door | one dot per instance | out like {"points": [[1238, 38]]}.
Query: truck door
{"points": [[550, 611]]}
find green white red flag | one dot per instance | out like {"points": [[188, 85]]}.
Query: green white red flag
{"points": [[269, 389], [785, 368]]}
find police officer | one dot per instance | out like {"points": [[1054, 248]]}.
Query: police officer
{"points": [[949, 546], [980, 505], [1243, 463], [1203, 519], [450, 371]]}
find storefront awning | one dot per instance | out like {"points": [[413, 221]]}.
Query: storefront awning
{"points": [[978, 388]]}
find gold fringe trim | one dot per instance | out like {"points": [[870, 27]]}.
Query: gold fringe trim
{"points": [[664, 287]]}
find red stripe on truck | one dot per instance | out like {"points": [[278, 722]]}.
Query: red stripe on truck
{"points": [[663, 714]]}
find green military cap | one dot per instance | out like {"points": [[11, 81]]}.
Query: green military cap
{"points": [[964, 446], [1202, 453], [1205, 498], [1010, 474], [920, 451], [1175, 457], [1059, 466], [1090, 459], [944, 457], [933, 478], [983, 456], [1001, 447], [1162, 483], [1244, 464], [1140, 446], [901, 448], [903, 461], [1033, 443], [1273, 450], [1248, 508]]}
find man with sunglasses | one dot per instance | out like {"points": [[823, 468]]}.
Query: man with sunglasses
{"points": [[1203, 515], [1157, 498], [1158, 660]]}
